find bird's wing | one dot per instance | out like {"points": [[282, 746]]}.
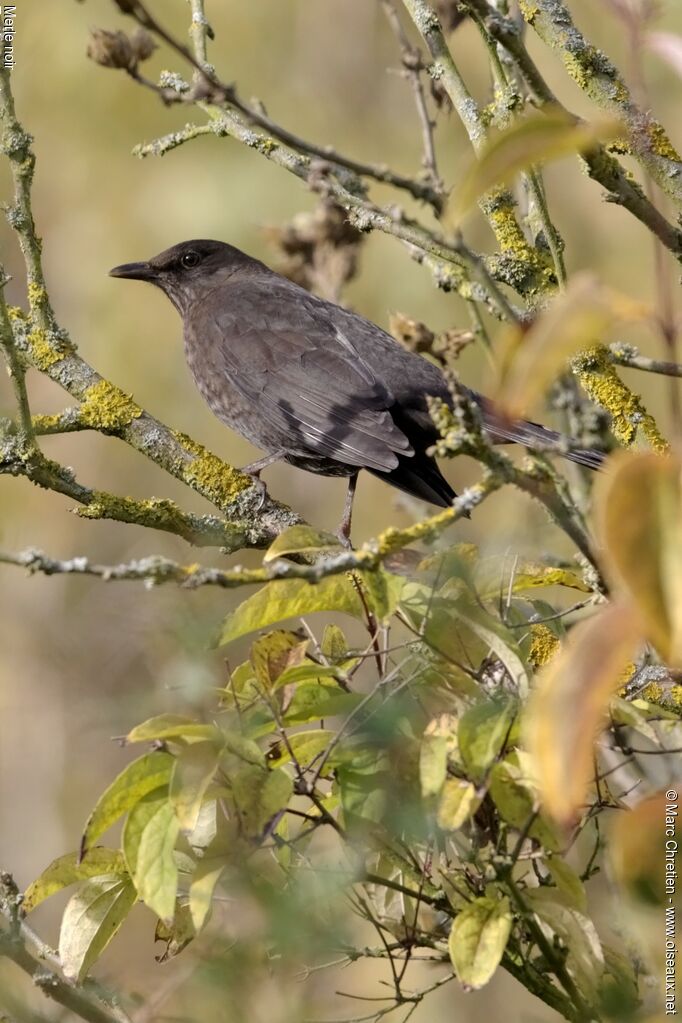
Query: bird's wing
{"points": [[306, 378]]}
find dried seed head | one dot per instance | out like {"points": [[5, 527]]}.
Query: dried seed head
{"points": [[110, 49], [142, 44], [320, 249]]}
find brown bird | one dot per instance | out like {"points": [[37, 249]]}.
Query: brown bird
{"points": [[311, 383]]}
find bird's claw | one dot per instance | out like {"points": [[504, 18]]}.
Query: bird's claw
{"points": [[260, 487]]}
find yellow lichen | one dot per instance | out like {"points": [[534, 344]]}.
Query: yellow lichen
{"points": [[675, 695], [602, 384], [159, 513], [532, 268], [544, 645], [36, 293], [106, 407], [660, 143], [46, 424], [529, 10], [45, 350], [653, 693], [208, 474]]}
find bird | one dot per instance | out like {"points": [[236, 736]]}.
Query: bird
{"points": [[311, 383]]}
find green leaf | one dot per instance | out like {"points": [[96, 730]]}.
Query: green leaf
{"points": [[91, 919], [517, 801], [364, 781], [459, 800], [433, 764], [282, 599], [192, 774], [202, 886], [135, 823], [171, 726], [334, 646], [291, 598], [139, 778], [303, 747], [301, 540], [483, 731], [311, 702], [478, 939], [383, 590], [243, 748], [532, 140], [307, 672], [272, 654], [149, 838], [585, 958], [502, 643], [567, 881], [259, 795], [204, 831], [68, 870], [177, 934]]}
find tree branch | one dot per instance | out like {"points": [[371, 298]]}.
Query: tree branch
{"points": [[19, 943], [601, 165], [594, 73], [156, 570], [248, 518], [628, 355]]}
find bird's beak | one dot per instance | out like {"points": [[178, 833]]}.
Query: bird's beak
{"points": [[134, 271]]}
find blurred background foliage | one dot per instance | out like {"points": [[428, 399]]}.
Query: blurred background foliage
{"points": [[83, 661]]}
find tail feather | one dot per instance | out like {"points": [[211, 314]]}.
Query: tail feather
{"points": [[420, 477], [534, 435]]}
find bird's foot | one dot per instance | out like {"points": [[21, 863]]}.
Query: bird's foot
{"points": [[343, 536], [258, 485]]}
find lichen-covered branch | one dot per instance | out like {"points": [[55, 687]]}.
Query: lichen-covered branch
{"points": [[209, 86], [602, 166], [628, 356], [153, 513], [592, 70], [461, 433], [20, 944], [527, 269], [447, 263], [247, 518], [17, 372], [595, 371], [156, 570]]}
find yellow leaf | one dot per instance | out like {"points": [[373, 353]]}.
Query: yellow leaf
{"points": [[91, 919], [530, 358], [569, 704], [637, 848], [639, 516], [478, 939], [458, 802], [301, 540], [67, 870], [532, 140]]}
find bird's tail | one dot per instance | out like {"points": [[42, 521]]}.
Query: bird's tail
{"points": [[420, 477], [534, 435]]}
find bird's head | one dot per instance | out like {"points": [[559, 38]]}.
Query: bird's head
{"points": [[189, 270]]}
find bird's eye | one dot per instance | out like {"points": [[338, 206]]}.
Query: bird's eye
{"points": [[190, 259]]}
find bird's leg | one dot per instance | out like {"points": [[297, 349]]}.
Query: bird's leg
{"points": [[254, 469], [343, 532]]}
